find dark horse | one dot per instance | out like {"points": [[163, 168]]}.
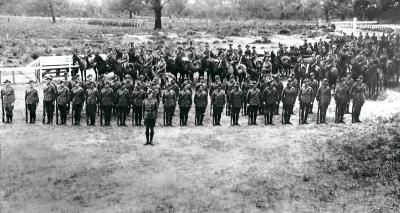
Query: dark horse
{"points": [[82, 66], [105, 67]]}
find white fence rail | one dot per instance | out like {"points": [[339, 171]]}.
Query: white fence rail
{"points": [[56, 66]]}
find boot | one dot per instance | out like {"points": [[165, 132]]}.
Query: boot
{"points": [[201, 120], [151, 138], [147, 139]]}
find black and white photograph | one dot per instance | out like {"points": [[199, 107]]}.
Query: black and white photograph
{"points": [[220, 106]]}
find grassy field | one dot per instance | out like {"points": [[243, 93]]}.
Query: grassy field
{"points": [[200, 169]]}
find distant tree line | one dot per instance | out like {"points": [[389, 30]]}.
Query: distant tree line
{"points": [[211, 9]]}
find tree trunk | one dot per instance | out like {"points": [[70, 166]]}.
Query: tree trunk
{"points": [[326, 13], [52, 11], [131, 14], [157, 16]]}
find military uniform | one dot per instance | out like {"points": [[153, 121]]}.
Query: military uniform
{"points": [[342, 97], [200, 102], [8, 97], [289, 99], [185, 103], [63, 100], [107, 102], [349, 83], [137, 97], [305, 98], [92, 95], [314, 85], [150, 116], [269, 98], [169, 102], [245, 90], [78, 98], [50, 93], [236, 102], [31, 100], [123, 103], [218, 101], [253, 100], [279, 88], [324, 99], [358, 95], [228, 89]]}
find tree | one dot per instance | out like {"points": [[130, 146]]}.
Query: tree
{"points": [[156, 6], [177, 7], [133, 7]]}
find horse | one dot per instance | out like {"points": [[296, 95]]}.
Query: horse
{"points": [[100, 66], [82, 66], [285, 65]]}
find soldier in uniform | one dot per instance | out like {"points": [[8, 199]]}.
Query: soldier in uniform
{"points": [[8, 99], [247, 52], [185, 103], [200, 102], [78, 99], [314, 85], [342, 97], [107, 97], [150, 116], [137, 97], [253, 99], [169, 102], [305, 98], [277, 83], [235, 102], [349, 82], [50, 93], [31, 100], [324, 98], [289, 99], [132, 53], [63, 100], [357, 93], [245, 90], [269, 98], [228, 89], [218, 101], [92, 95], [123, 103]]}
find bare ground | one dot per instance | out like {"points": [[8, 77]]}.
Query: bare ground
{"points": [[191, 169]]}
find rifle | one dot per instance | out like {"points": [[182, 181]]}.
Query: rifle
{"points": [[56, 112], [87, 113], [118, 117], [26, 112], [336, 113], [164, 116], [2, 108], [300, 118], [248, 119], [44, 113], [352, 113], [101, 115], [231, 119], [72, 120], [133, 115], [318, 112]]}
